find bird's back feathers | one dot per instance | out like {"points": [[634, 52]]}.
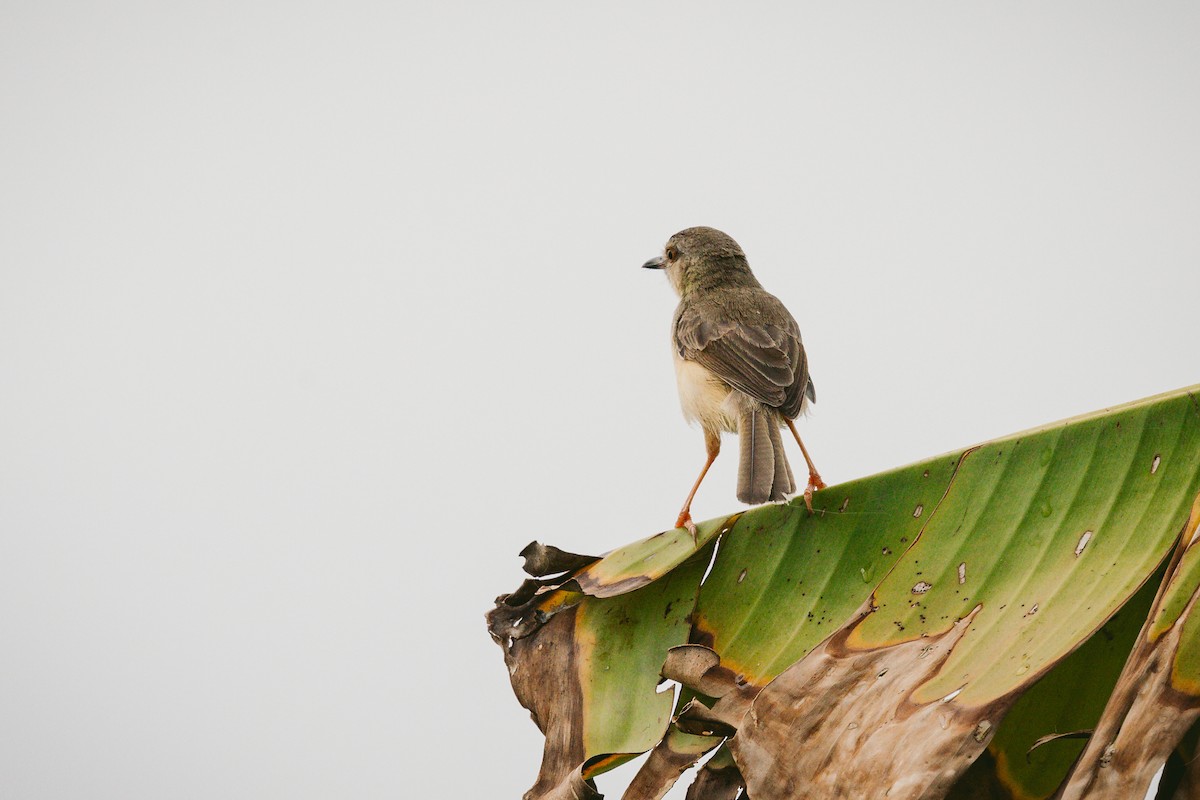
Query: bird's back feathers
{"points": [[747, 338]]}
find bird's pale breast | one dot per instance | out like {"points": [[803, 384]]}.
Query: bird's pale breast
{"points": [[703, 397]]}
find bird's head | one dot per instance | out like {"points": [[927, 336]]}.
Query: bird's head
{"points": [[702, 258]]}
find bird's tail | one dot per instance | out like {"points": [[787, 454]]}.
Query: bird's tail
{"points": [[763, 472]]}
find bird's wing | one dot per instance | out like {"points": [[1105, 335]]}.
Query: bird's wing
{"points": [[765, 360]]}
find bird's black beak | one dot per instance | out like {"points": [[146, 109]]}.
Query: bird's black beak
{"points": [[654, 263]]}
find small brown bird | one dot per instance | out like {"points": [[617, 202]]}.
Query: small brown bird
{"points": [[739, 364]]}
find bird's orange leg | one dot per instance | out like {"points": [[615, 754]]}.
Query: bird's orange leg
{"points": [[712, 443], [814, 479]]}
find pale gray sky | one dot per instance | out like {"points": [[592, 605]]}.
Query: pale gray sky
{"points": [[312, 315]]}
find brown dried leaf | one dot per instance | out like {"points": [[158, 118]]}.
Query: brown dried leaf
{"points": [[718, 779], [669, 759], [1054, 737], [544, 679], [874, 740], [573, 787], [1146, 716], [546, 559], [587, 669], [699, 668]]}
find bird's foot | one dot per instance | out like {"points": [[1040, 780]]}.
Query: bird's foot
{"points": [[685, 521], [814, 483]]}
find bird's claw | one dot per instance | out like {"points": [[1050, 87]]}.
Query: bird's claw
{"points": [[685, 521], [814, 483]]}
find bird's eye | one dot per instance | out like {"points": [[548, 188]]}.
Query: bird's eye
{"points": [[672, 253]]}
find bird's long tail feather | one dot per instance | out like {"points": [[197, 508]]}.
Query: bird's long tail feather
{"points": [[763, 472], [784, 483]]}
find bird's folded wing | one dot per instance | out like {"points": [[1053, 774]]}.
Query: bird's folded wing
{"points": [[764, 360]]}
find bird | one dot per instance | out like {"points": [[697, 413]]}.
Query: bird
{"points": [[740, 364]]}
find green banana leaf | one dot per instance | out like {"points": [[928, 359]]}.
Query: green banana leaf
{"points": [[987, 568]]}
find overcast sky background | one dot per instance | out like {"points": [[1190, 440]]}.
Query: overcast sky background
{"points": [[312, 315]]}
